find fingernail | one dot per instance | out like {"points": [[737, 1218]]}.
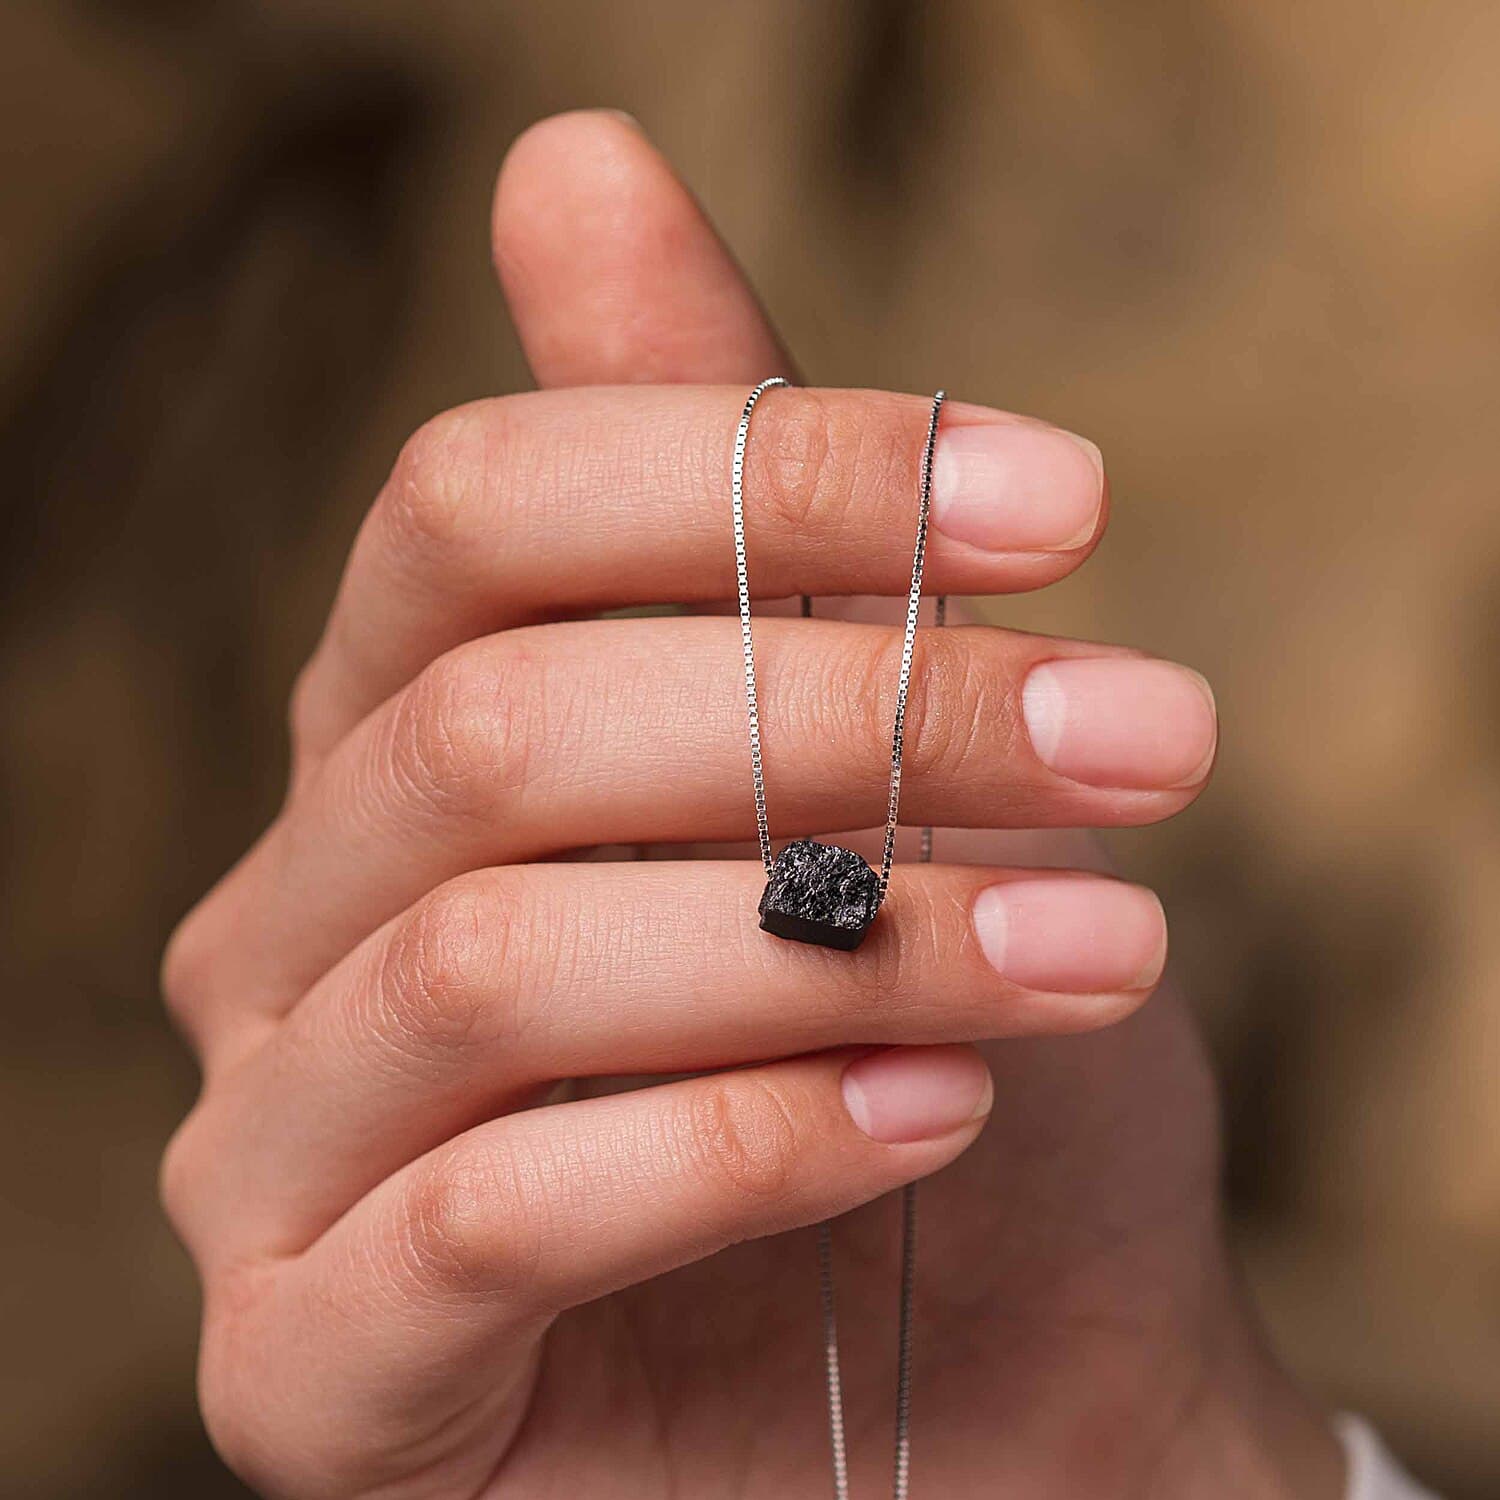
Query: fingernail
{"points": [[623, 117], [1121, 722], [917, 1093], [1016, 486], [1072, 937]]}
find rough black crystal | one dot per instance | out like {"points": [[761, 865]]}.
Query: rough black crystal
{"points": [[820, 893]]}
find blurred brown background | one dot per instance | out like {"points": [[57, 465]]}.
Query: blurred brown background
{"points": [[1253, 249]]}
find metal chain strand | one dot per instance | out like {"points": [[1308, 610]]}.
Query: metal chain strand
{"points": [[904, 1336], [838, 1443], [831, 1371], [908, 644], [742, 578], [906, 1304]]}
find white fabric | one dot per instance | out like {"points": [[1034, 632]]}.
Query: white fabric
{"points": [[1373, 1473]]}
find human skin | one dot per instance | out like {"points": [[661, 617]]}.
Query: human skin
{"points": [[445, 1250]]}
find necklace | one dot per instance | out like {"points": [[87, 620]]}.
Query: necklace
{"points": [[825, 894]]}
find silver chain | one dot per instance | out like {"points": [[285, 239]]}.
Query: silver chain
{"points": [[826, 1281], [909, 642], [742, 577]]}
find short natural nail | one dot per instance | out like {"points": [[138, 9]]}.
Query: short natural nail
{"points": [[917, 1093], [1078, 936], [1016, 487], [1124, 722]]}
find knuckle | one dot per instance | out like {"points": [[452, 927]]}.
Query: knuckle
{"points": [[948, 700], [459, 737], [187, 966], [822, 455], [178, 1177], [444, 975], [953, 706], [198, 982], [430, 501], [744, 1133], [801, 461], [473, 1223], [869, 699]]}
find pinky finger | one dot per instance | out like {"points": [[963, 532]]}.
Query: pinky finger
{"points": [[440, 1284]]}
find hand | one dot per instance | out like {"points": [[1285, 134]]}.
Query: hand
{"points": [[434, 1267]]}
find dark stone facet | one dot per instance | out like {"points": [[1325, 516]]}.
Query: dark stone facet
{"points": [[820, 893]]}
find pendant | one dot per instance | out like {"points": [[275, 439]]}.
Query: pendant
{"points": [[820, 893]]}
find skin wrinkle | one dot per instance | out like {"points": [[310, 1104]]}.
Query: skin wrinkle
{"points": [[369, 1015], [944, 743], [428, 502], [872, 701], [743, 1143], [792, 468], [431, 977], [566, 706], [561, 932], [836, 704], [457, 743]]}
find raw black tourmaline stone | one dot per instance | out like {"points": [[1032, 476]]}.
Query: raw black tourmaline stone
{"points": [[819, 893]]}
